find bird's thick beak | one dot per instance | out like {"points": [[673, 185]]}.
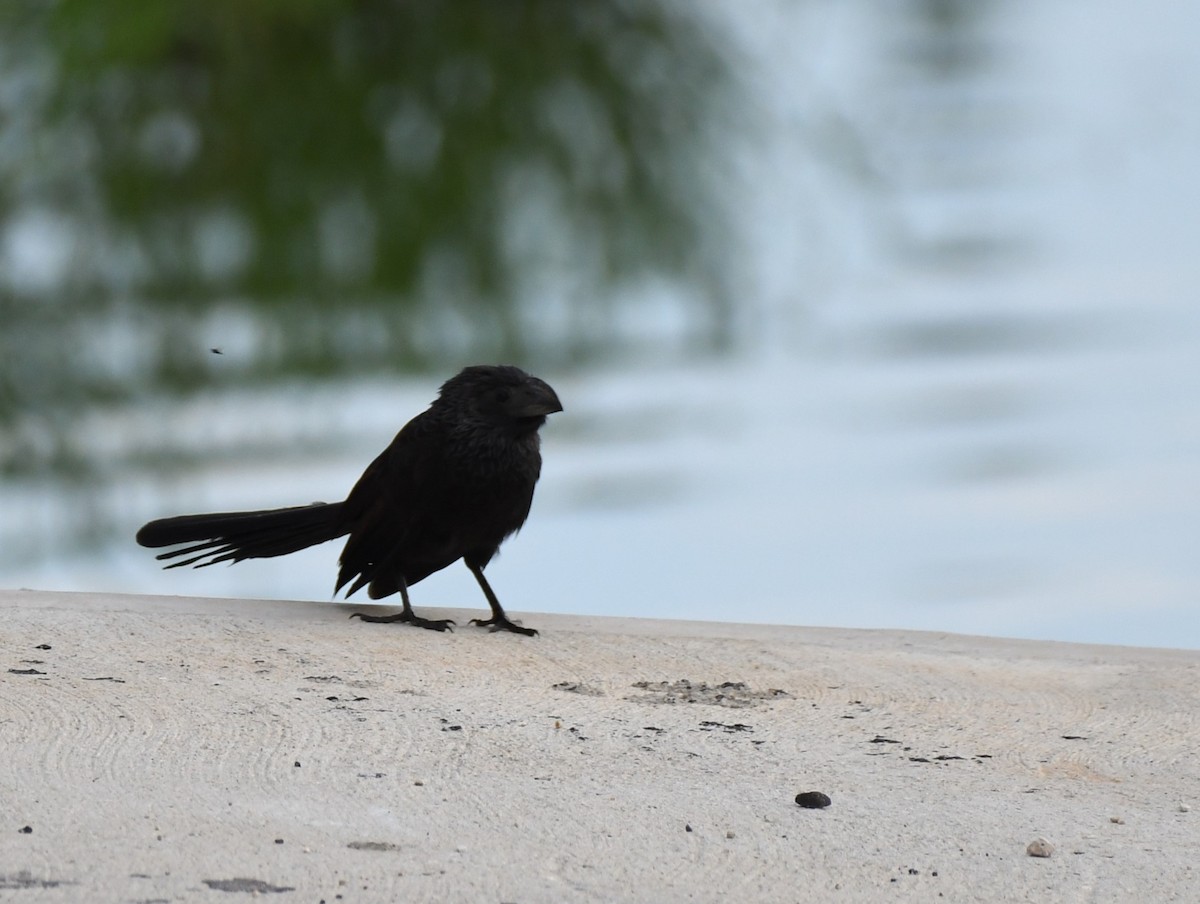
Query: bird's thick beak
{"points": [[536, 399]]}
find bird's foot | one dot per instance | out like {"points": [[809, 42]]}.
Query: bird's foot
{"points": [[411, 618], [501, 623]]}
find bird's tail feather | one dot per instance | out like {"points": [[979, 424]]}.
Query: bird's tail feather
{"points": [[233, 536]]}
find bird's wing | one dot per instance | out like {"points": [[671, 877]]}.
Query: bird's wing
{"points": [[393, 504]]}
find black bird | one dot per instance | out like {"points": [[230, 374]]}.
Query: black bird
{"points": [[453, 484]]}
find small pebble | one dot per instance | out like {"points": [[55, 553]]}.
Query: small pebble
{"points": [[813, 800], [1039, 847], [687, 828], [26, 830], [729, 835], [1184, 808], [1116, 820]]}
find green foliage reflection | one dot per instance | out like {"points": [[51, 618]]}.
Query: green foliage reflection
{"points": [[346, 185]]}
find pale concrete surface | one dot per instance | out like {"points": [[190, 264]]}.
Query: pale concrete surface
{"points": [[170, 749]]}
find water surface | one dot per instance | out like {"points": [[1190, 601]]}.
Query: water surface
{"points": [[963, 397]]}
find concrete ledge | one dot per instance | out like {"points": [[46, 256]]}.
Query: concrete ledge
{"points": [[164, 748]]}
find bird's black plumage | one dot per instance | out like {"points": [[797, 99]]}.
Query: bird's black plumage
{"points": [[456, 481]]}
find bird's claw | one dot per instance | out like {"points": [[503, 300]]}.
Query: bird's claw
{"points": [[501, 623], [430, 624]]}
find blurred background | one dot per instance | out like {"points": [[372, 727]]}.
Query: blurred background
{"points": [[863, 314]]}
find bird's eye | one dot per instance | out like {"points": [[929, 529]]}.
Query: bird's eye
{"points": [[502, 395]]}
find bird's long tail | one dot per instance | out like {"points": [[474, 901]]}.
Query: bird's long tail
{"points": [[233, 536]]}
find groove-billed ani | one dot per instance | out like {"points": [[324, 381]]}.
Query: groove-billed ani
{"points": [[454, 483]]}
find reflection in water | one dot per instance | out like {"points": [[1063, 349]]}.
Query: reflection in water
{"points": [[946, 116], [977, 419], [340, 189]]}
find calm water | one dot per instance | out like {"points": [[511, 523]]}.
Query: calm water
{"points": [[967, 399]]}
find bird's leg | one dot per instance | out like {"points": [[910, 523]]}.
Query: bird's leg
{"points": [[499, 621], [407, 615]]}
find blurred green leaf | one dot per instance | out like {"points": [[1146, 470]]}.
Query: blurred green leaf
{"points": [[347, 185]]}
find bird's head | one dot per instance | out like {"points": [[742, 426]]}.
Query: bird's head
{"points": [[502, 395]]}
